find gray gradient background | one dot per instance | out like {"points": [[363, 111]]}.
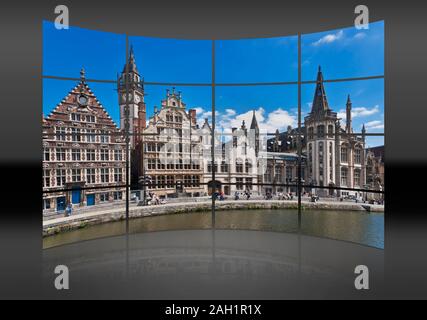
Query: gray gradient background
{"points": [[405, 110]]}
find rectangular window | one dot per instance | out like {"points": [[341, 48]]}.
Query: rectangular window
{"points": [[105, 175], [288, 173], [118, 176], [76, 175], [75, 154], [170, 181], [104, 155], [46, 154], [224, 167], [357, 178], [105, 138], [46, 178], [90, 118], [118, 155], [249, 183], [90, 155], [75, 117], [104, 197], [118, 195], [75, 135], [60, 133], [91, 175], [344, 176], [60, 154], [60, 177], [151, 164], [239, 183], [46, 204], [90, 135]]}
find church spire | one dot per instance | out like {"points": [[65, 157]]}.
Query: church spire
{"points": [[82, 75], [320, 103], [254, 123], [131, 61], [348, 115]]}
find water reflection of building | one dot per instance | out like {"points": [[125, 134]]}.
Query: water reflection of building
{"points": [[81, 148]]}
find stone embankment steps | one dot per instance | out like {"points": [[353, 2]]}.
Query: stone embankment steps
{"points": [[80, 220]]}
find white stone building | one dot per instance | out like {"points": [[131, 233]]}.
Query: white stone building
{"points": [[335, 156]]}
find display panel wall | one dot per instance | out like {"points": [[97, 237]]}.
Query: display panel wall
{"points": [[290, 123]]}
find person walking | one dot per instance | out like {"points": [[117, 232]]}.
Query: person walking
{"points": [[68, 210], [236, 195]]}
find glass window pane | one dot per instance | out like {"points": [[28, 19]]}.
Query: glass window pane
{"points": [[173, 60], [257, 60], [66, 51], [344, 53], [86, 103], [173, 144], [250, 122], [364, 97]]}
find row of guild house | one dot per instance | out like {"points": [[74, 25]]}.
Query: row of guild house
{"points": [[171, 154]]}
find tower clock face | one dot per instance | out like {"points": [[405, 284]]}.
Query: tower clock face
{"points": [[82, 100], [137, 99]]}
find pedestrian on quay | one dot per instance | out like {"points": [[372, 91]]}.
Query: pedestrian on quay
{"points": [[68, 210], [236, 195]]}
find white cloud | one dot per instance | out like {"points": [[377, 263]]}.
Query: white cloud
{"points": [[329, 38], [267, 122], [199, 110], [374, 125], [359, 35], [230, 112], [359, 112]]}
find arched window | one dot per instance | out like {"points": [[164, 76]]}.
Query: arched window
{"points": [[344, 174], [320, 131], [330, 131], [248, 166], [357, 178], [358, 155], [344, 152], [310, 132], [239, 165]]}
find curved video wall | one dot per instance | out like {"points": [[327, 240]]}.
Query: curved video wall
{"points": [[281, 134]]}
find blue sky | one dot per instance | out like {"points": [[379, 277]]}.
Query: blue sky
{"points": [[343, 53], [65, 52]]}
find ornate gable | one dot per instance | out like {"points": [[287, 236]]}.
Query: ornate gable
{"points": [[81, 100]]}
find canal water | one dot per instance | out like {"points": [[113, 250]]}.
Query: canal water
{"points": [[354, 226]]}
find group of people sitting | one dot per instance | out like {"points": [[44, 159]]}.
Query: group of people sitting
{"points": [[245, 194], [280, 196], [154, 199]]}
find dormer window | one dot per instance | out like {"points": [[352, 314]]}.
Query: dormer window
{"points": [[75, 117]]}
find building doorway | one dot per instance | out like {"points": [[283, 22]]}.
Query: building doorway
{"points": [[227, 190], [60, 204], [76, 195], [214, 186], [90, 199]]}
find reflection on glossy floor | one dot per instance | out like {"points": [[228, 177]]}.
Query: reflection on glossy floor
{"points": [[207, 264], [355, 226]]}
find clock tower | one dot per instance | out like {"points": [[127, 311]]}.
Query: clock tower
{"points": [[134, 97]]}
